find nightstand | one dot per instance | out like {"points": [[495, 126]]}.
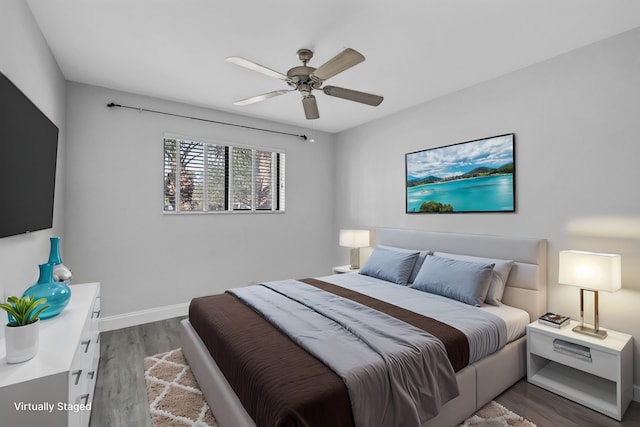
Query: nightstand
{"points": [[344, 269], [603, 381]]}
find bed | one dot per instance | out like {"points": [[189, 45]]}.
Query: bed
{"points": [[479, 381]]}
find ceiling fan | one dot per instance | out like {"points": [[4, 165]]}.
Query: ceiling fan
{"points": [[305, 79]]}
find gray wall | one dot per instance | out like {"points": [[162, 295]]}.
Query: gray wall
{"points": [[577, 147], [576, 124], [118, 234], [26, 60]]}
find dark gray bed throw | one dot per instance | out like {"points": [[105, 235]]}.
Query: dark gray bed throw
{"points": [[396, 374]]}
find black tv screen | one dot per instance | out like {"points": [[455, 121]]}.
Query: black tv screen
{"points": [[28, 151]]}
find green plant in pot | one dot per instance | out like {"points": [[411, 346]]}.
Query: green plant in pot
{"points": [[22, 330]]}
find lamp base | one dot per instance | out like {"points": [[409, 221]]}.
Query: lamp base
{"points": [[355, 258], [597, 333]]}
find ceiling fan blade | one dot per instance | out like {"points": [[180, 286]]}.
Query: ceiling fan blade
{"points": [[256, 67], [310, 107], [353, 95], [262, 97], [342, 61]]}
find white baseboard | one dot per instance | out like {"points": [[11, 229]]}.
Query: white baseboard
{"points": [[120, 321]]}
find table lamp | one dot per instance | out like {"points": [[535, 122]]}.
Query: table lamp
{"points": [[593, 272], [354, 239]]}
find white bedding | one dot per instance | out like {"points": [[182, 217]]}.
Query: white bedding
{"points": [[516, 319]]}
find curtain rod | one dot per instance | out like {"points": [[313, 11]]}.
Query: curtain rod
{"points": [[112, 104]]}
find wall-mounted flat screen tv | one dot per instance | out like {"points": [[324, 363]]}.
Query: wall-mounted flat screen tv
{"points": [[28, 152], [472, 176]]}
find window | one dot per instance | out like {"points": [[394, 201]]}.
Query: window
{"points": [[221, 178]]}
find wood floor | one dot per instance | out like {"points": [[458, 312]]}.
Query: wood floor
{"points": [[121, 400], [546, 409]]}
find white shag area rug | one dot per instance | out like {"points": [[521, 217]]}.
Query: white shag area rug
{"points": [[175, 399]]}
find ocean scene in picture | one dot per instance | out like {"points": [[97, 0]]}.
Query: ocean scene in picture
{"points": [[474, 176]]}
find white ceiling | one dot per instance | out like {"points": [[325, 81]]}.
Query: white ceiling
{"points": [[416, 50]]}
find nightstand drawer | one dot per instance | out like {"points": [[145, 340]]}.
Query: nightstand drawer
{"points": [[602, 364]]}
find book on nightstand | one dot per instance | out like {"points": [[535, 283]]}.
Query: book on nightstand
{"points": [[553, 320]]}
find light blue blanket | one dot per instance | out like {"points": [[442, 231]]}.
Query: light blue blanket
{"points": [[396, 374], [486, 332]]}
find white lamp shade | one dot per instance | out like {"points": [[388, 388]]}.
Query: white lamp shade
{"points": [[590, 270], [354, 238]]}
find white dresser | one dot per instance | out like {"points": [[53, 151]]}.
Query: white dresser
{"points": [[55, 388]]}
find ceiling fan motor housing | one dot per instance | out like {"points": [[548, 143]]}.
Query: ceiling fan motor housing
{"points": [[301, 76]]}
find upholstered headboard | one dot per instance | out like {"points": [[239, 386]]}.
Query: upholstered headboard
{"points": [[527, 284]]}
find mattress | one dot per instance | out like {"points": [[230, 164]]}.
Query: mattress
{"points": [[515, 319]]}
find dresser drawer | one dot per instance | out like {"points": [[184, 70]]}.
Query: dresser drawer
{"points": [[95, 311], [84, 372]]}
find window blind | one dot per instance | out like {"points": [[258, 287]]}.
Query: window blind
{"points": [[208, 177]]}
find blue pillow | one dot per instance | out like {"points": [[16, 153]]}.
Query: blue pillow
{"points": [[499, 277], [422, 254], [460, 280], [390, 264]]}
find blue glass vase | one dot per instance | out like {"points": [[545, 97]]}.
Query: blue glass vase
{"points": [[57, 294]]}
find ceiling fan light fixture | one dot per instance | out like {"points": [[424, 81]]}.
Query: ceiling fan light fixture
{"points": [[305, 79], [304, 89]]}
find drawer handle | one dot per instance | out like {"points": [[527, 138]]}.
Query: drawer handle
{"points": [[85, 397], [77, 374], [95, 314], [91, 374], [86, 344]]}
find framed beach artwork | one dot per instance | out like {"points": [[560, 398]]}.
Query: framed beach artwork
{"points": [[472, 176]]}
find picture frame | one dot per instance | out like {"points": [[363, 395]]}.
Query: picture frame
{"points": [[467, 177]]}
